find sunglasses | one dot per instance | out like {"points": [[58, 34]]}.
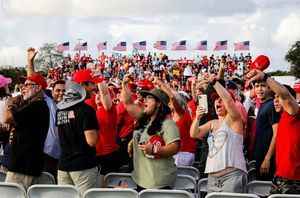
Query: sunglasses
{"points": [[29, 84]]}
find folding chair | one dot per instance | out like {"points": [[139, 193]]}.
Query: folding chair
{"points": [[45, 178], [202, 187], [188, 170], [151, 193], [251, 174], [230, 195], [12, 190], [185, 182], [283, 196], [2, 177], [260, 188], [111, 193], [251, 164], [52, 191], [113, 180]]}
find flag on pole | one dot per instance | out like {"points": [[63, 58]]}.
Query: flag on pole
{"points": [[181, 45], [140, 45], [160, 45], [240, 46], [80, 47], [201, 45], [121, 46], [63, 47], [220, 45], [102, 46]]}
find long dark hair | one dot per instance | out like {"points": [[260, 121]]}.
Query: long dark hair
{"points": [[156, 124]]}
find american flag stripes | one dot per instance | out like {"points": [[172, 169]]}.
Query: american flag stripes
{"points": [[121, 46], [240, 46], [140, 45], [102, 46], [181, 45], [80, 47], [220, 45], [160, 45], [201, 45], [63, 47]]}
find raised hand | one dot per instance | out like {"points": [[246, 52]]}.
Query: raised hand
{"points": [[31, 53]]}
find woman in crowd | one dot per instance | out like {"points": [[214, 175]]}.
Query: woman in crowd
{"points": [[155, 140], [225, 166]]}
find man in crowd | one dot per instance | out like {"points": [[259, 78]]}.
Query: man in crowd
{"points": [[266, 128], [29, 116], [77, 129], [287, 152]]}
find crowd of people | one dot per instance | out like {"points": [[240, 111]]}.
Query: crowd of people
{"points": [[90, 117]]}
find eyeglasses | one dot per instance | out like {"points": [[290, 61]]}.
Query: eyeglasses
{"points": [[29, 84]]}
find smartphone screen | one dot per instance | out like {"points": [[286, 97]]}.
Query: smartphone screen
{"points": [[202, 102]]}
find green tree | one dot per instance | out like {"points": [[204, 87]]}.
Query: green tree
{"points": [[47, 57], [293, 57]]}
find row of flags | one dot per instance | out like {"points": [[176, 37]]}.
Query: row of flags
{"points": [[159, 45]]}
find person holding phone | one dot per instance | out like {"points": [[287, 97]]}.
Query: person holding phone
{"points": [[226, 165]]}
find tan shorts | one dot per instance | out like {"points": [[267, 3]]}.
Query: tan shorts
{"points": [[24, 180]]}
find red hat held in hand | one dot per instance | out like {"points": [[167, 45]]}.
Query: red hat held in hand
{"points": [[38, 79], [261, 63]]}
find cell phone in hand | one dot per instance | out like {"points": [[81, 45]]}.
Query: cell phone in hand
{"points": [[202, 102]]}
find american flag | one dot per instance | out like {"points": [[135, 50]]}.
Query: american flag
{"points": [[102, 46], [220, 45], [181, 45], [239, 46], [121, 46], [63, 47], [160, 45], [140, 45], [80, 47], [201, 45]]}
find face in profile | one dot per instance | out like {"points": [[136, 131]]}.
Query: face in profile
{"points": [[220, 108], [277, 104]]}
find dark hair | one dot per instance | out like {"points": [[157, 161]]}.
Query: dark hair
{"points": [[58, 82], [156, 124], [291, 90], [3, 93]]}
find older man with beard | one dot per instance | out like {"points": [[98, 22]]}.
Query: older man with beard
{"points": [[29, 116]]}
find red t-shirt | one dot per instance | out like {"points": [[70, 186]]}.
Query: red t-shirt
{"points": [[288, 147], [107, 135], [125, 122], [91, 101], [187, 144]]}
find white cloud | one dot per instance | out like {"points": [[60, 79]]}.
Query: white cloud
{"points": [[288, 31]]}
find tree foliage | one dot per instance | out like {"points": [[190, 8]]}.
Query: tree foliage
{"points": [[293, 57], [47, 57]]}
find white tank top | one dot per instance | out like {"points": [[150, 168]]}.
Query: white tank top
{"points": [[225, 150]]}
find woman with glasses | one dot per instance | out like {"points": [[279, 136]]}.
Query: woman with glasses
{"points": [[225, 166]]}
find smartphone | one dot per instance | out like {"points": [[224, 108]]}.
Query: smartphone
{"points": [[202, 102]]}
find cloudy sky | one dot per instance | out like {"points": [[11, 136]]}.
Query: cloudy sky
{"points": [[272, 26]]}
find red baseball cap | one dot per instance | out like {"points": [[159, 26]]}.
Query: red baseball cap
{"points": [[261, 63], [145, 84], [83, 75], [38, 79]]}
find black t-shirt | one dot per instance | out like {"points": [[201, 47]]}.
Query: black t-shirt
{"points": [[72, 122], [266, 117], [31, 128]]}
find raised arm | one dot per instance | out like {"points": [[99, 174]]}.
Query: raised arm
{"points": [[133, 109], [172, 95], [288, 102], [229, 103], [31, 53], [105, 96], [197, 131]]}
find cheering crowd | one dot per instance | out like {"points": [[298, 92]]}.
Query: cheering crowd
{"points": [[90, 117]]}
